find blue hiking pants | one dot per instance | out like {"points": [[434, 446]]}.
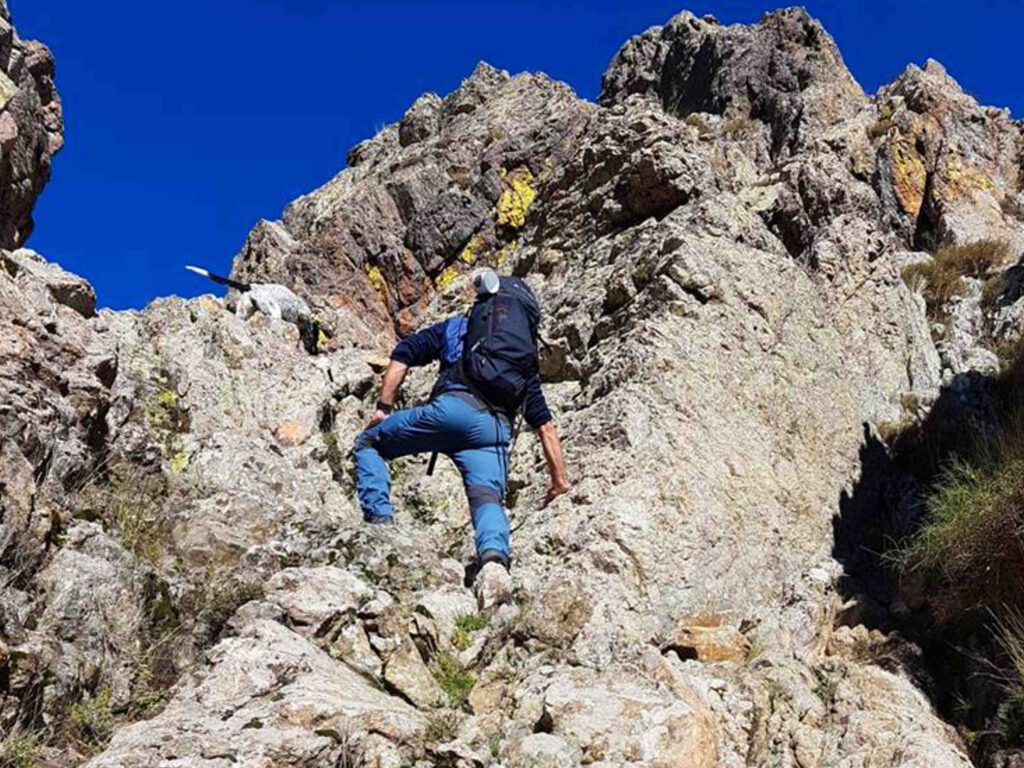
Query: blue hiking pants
{"points": [[474, 438]]}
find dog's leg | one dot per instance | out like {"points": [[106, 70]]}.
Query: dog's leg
{"points": [[246, 306]]}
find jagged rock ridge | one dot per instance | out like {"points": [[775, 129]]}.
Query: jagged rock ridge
{"points": [[31, 129], [717, 248]]}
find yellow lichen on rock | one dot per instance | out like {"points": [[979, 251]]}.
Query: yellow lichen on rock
{"points": [[961, 180], [908, 173], [503, 256], [209, 304], [447, 277], [376, 279], [179, 462], [517, 198], [472, 250], [549, 167], [167, 398]]}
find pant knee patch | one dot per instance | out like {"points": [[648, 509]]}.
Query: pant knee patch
{"points": [[479, 495]]}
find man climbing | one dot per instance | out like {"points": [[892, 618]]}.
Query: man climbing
{"points": [[469, 417]]}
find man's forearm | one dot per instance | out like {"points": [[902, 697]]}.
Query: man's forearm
{"points": [[552, 448], [393, 378]]}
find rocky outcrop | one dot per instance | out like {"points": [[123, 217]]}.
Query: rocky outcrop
{"points": [[31, 129], [717, 247], [420, 203], [785, 72], [953, 166]]}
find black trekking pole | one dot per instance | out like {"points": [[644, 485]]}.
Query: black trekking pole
{"points": [[431, 464]]}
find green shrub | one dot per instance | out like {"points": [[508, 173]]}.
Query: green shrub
{"points": [[20, 749], [465, 627], [455, 680], [92, 719], [942, 277]]}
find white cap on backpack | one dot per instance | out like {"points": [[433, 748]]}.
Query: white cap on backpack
{"points": [[486, 282]]}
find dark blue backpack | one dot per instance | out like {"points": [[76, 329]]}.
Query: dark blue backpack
{"points": [[499, 351]]}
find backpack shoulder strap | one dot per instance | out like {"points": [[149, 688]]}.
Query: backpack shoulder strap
{"points": [[454, 333]]}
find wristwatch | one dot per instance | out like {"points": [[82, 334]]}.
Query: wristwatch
{"points": [[385, 407]]}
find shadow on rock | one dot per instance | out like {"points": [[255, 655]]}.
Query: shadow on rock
{"points": [[885, 507]]}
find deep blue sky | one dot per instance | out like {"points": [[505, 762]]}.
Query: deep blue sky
{"points": [[189, 120]]}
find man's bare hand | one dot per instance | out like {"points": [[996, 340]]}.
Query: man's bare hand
{"points": [[558, 488], [377, 418], [552, 447]]}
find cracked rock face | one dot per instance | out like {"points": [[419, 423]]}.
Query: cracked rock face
{"points": [[416, 203], [31, 129], [785, 72], [717, 247]]}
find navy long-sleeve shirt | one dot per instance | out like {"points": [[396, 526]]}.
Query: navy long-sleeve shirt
{"points": [[442, 342]]}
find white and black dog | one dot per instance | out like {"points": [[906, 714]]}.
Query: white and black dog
{"points": [[273, 300]]}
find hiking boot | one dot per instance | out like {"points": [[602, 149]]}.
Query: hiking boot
{"points": [[493, 585], [380, 519]]}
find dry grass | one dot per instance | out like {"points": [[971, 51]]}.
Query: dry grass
{"points": [[442, 727], [738, 125], [879, 128], [698, 122], [130, 504], [941, 279]]}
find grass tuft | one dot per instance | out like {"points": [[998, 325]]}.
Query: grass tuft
{"points": [[880, 128], [92, 719], [970, 544], [20, 749], [1009, 634], [738, 125], [465, 627], [441, 728], [941, 279], [455, 680], [696, 121]]}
